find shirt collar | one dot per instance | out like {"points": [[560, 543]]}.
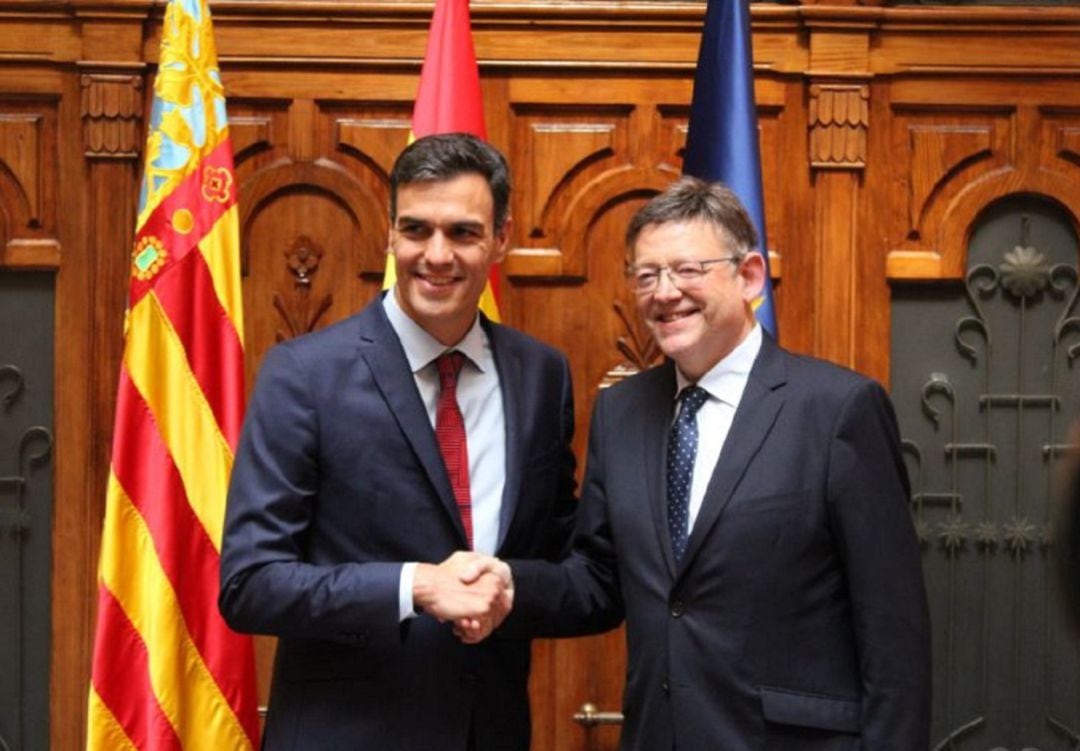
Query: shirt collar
{"points": [[421, 348], [727, 379]]}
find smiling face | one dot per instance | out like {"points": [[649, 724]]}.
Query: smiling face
{"points": [[444, 241], [698, 324]]}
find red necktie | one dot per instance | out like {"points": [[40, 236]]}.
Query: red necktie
{"points": [[450, 432]]}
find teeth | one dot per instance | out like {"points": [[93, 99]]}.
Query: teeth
{"points": [[674, 316]]}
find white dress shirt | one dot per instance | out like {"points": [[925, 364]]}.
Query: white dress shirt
{"points": [[480, 401], [725, 383]]}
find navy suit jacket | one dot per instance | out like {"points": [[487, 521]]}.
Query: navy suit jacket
{"points": [[797, 619], [338, 479]]}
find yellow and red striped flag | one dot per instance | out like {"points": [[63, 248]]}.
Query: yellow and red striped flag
{"points": [[167, 672], [448, 101]]}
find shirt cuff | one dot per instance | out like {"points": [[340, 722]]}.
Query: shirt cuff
{"points": [[405, 596]]}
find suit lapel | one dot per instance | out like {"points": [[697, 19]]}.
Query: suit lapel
{"points": [[381, 349], [754, 418], [508, 363], [658, 408]]}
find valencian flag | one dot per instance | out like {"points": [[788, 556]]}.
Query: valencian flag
{"points": [[723, 141], [167, 671], [448, 101]]}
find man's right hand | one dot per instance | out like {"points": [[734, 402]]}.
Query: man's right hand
{"points": [[466, 588]]}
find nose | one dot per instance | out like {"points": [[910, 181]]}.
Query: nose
{"points": [[666, 288], [439, 250]]}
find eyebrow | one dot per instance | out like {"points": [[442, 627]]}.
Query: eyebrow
{"points": [[457, 224], [469, 224]]}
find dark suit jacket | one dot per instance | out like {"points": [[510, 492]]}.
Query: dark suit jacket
{"points": [[798, 617], [338, 479]]}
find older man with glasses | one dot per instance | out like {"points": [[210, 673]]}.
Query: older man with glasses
{"points": [[745, 510]]}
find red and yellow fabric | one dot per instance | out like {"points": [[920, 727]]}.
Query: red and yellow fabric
{"points": [[167, 672], [448, 101]]}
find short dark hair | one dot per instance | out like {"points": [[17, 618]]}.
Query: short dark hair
{"points": [[692, 199], [448, 155]]}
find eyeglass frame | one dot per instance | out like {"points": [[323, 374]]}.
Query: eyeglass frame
{"points": [[704, 266]]}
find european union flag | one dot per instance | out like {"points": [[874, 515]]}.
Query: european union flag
{"points": [[723, 140]]}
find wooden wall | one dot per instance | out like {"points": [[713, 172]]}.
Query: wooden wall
{"points": [[884, 132]]}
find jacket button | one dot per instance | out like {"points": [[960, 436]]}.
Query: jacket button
{"points": [[665, 687], [677, 608]]}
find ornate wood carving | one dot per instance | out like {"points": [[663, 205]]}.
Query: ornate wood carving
{"points": [[326, 178], [839, 119], [636, 345], [300, 313], [112, 106], [336, 230]]}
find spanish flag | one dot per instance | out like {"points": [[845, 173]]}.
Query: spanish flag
{"points": [[167, 671], [448, 101]]}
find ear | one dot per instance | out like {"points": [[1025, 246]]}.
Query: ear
{"points": [[752, 273], [502, 240]]}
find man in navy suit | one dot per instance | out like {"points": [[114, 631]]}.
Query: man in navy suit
{"points": [[746, 510], [343, 498]]}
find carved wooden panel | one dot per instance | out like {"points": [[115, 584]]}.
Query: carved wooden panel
{"points": [[313, 210], [946, 153], [567, 162], [252, 132], [259, 130], [21, 151], [28, 184], [560, 148], [938, 152], [839, 118], [373, 138], [112, 107], [365, 140], [299, 260], [950, 162]]}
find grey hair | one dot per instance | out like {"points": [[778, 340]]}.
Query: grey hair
{"points": [[692, 199]]}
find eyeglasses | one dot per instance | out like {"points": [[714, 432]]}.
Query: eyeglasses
{"points": [[684, 274]]}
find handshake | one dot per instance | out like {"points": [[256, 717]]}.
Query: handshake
{"points": [[474, 591]]}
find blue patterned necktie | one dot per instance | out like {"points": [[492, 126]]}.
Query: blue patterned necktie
{"points": [[682, 450]]}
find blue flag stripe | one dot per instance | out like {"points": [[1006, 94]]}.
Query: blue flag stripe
{"points": [[723, 141]]}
